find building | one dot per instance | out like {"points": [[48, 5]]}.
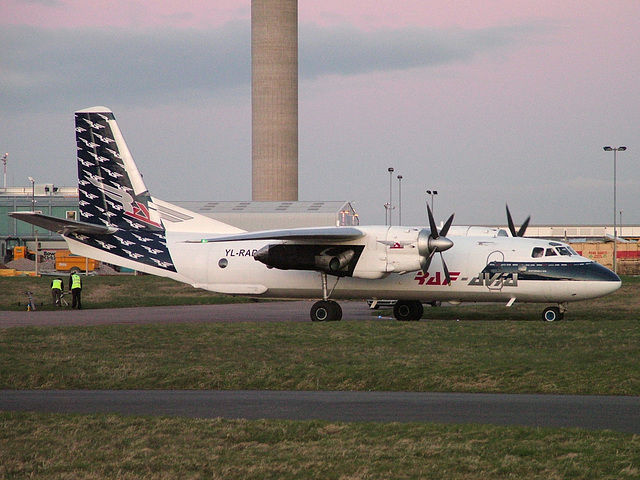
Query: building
{"points": [[253, 216], [45, 198]]}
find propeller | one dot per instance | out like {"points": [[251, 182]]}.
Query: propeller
{"points": [[512, 227], [431, 241]]}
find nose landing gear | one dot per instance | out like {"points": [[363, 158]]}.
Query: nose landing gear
{"points": [[553, 314]]}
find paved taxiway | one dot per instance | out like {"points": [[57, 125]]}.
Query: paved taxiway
{"points": [[589, 412], [297, 311]]}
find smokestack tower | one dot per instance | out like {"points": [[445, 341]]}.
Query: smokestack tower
{"points": [[274, 100]]}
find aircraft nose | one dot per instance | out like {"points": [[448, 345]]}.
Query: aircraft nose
{"points": [[609, 281], [602, 273]]}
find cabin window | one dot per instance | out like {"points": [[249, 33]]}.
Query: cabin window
{"points": [[537, 252]]}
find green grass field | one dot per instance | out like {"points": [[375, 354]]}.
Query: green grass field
{"points": [[595, 352], [480, 356], [38, 446], [116, 291]]}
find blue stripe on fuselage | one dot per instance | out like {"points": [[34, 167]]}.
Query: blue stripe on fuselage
{"points": [[553, 271]]}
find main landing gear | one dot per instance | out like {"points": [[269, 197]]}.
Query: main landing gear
{"points": [[325, 310], [408, 310]]}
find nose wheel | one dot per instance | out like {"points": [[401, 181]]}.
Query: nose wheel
{"points": [[553, 314]]}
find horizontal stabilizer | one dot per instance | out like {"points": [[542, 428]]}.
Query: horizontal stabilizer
{"points": [[316, 234], [61, 225]]}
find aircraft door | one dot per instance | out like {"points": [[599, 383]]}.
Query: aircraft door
{"points": [[494, 281]]}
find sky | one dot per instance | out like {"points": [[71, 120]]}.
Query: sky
{"points": [[486, 101]]}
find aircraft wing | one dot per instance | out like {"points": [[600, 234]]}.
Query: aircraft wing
{"points": [[61, 225], [315, 234]]}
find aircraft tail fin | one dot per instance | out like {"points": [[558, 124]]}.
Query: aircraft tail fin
{"points": [[111, 189], [120, 222]]}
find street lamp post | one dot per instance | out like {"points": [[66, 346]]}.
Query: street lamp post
{"points": [[432, 193], [390, 207], [615, 150], [4, 160], [34, 232], [399, 199], [33, 194]]}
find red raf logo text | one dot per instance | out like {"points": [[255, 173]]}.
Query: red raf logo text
{"points": [[437, 279]]}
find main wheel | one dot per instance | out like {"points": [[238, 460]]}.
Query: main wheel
{"points": [[326, 311], [551, 314], [407, 310]]}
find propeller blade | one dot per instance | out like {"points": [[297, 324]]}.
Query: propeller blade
{"points": [[447, 277], [524, 226], [432, 224], [425, 262], [447, 225], [512, 227]]}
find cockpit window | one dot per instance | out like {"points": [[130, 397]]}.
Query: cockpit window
{"points": [[563, 250]]}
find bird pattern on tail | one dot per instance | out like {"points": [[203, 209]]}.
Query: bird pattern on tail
{"points": [[112, 194]]}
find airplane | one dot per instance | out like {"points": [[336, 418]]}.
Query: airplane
{"points": [[403, 263]]}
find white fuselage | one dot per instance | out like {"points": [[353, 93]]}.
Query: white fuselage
{"points": [[389, 268]]}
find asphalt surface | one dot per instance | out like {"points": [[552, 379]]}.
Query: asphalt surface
{"points": [[297, 311], [588, 412]]}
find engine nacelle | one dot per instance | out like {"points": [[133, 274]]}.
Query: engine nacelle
{"points": [[333, 263], [337, 260]]}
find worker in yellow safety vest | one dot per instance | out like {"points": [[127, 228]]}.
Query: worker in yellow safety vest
{"points": [[75, 285], [56, 291]]}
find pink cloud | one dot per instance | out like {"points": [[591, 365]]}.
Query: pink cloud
{"points": [[139, 14], [365, 14]]}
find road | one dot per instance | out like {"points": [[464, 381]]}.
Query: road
{"points": [[297, 311], [587, 412]]}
